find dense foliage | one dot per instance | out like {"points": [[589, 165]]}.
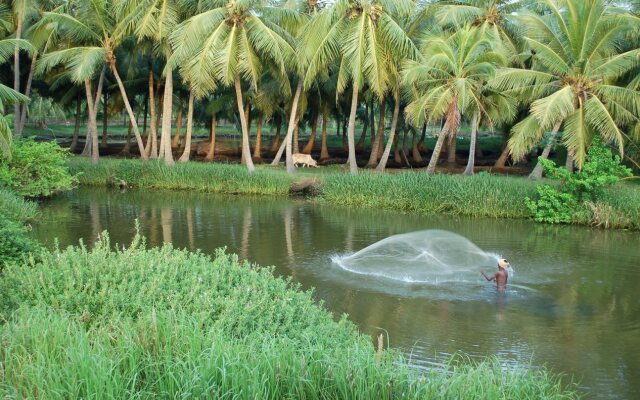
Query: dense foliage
{"points": [[527, 67], [136, 323], [577, 190], [15, 243], [36, 169]]}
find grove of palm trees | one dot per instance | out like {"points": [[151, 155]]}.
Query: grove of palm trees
{"points": [[381, 154]]}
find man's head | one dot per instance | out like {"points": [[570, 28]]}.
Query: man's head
{"points": [[503, 263]]}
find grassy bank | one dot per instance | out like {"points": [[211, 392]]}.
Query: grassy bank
{"points": [[482, 195], [148, 323]]}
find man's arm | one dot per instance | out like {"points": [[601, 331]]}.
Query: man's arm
{"points": [[493, 278]]}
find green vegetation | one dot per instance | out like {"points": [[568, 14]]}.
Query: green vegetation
{"points": [[14, 240], [559, 72], [126, 325], [218, 178], [482, 195], [585, 188], [36, 169], [16, 208]]}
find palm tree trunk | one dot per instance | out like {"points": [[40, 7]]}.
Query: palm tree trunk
{"points": [[405, 149], [431, 168], [312, 140], [212, 144], [353, 165], [105, 121], [423, 137], [365, 125], [167, 106], [324, 152], [176, 137], [292, 123], [569, 164], [76, 127], [257, 151], [415, 152], [375, 145], [246, 151], [396, 151], [296, 132], [394, 124], [92, 132], [451, 150], [539, 169], [187, 140], [276, 140], [145, 136], [504, 156], [152, 141], [27, 92], [127, 146], [472, 147], [16, 70], [132, 117]]}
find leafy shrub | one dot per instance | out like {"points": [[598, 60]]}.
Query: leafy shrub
{"points": [[15, 244], [559, 205], [36, 169], [222, 292]]}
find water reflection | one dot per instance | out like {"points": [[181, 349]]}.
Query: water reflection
{"points": [[573, 304]]}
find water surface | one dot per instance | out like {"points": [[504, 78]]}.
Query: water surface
{"points": [[573, 304]]}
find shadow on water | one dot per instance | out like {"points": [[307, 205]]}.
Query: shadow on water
{"points": [[572, 304]]}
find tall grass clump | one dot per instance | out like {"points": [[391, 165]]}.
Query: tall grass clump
{"points": [[209, 178], [482, 195], [15, 207], [167, 323]]}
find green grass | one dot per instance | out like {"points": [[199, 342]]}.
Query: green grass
{"points": [[16, 208], [482, 195], [166, 323], [209, 178]]}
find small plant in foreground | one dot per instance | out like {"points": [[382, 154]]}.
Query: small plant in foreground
{"points": [[560, 204]]}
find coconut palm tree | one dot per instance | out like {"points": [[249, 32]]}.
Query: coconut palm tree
{"points": [[8, 95], [575, 60], [493, 107], [446, 84], [362, 36], [91, 32], [226, 43], [155, 20], [494, 18]]}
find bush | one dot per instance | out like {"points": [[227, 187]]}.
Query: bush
{"points": [[36, 169], [15, 244], [577, 190], [166, 323], [16, 208]]}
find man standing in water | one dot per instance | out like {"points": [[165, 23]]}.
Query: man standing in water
{"points": [[501, 276]]}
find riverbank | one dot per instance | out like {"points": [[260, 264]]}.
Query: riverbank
{"points": [[482, 195]]}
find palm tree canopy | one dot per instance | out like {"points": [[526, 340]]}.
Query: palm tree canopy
{"points": [[452, 76], [230, 38], [364, 37], [574, 47]]}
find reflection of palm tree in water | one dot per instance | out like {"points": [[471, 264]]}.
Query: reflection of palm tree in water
{"points": [[190, 228], [96, 225], [246, 230], [166, 220], [288, 236], [348, 245]]}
